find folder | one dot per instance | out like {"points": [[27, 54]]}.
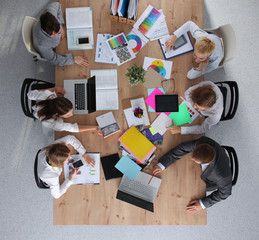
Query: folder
{"points": [[182, 116], [137, 144]]}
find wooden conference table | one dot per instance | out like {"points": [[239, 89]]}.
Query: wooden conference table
{"points": [[97, 204]]}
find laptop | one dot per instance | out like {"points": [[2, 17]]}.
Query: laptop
{"points": [[138, 192], [166, 103], [82, 94]]}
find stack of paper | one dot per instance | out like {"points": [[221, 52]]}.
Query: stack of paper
{"points": [[137, 144]]}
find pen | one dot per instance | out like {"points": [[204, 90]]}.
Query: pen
{"points": [[151, 178]]}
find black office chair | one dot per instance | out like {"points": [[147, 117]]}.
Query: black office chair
{"points": [[230, 93], [28, 85], [38, 181], [233, 161]]}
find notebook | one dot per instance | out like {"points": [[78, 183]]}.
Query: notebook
{"points": [[108, 124], [138, 192], [108, 163], [137, 144], [166, 103], [82, 94], [79, 23]]}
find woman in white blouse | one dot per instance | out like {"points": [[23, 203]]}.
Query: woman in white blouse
{"points": [[53, 157], [207, 99], [51, 107]]}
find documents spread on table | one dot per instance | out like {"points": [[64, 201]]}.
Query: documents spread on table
{"points": [[79, 25], [86, 174]]}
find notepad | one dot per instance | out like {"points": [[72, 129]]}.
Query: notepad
{"points": [[79, 23], [161, 123], [137, 144], [108, 163], [181, 117], [128, 167]]}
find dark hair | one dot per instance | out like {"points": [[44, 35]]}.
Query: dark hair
{"points": [[49, 23], [53, 108], [56, 154], [204, 153], [204, 96]]}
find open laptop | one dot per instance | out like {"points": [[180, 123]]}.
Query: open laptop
{"points": [[82, 94], [138, 192]]}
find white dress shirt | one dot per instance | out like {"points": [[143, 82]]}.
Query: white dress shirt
{"points": [[215, 57], [213, 114], [50, 124], [50, 175]]}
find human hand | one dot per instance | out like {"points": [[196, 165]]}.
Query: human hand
{"points": [[60, 91], [82, 61], [63, 32], [88, 160], [170, 42], [174, 129], [73, 173], [203, 64], [157, 170], [193, 206]]}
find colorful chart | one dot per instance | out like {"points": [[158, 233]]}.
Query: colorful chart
{"points": [[149, 21], [70, 168], [123, 54], [118, 41], [137, 40], [158, 66]]}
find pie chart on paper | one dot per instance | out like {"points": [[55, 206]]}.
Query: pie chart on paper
{"points": [[158, 66], [137, 40]]}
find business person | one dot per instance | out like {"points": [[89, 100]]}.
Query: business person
{"points": [[216, 172], [47, 34], [208, 49], [53, 157], [207, 99], [51, 108]]}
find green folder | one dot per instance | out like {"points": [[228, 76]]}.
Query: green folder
{"points": [[182, 116]]}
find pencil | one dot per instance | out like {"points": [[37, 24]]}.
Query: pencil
{"points": [[151, 178]]}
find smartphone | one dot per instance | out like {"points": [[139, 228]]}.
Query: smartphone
{"points": [[82, 40], [180, 42], [77, 164]]}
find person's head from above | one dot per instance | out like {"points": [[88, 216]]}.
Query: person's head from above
{"points": [[203, 98], [57, 154], [204, 153], [49, 24], [54, 108], [203, 48]]}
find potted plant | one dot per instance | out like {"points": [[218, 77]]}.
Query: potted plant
{"points": [[136, 74]]}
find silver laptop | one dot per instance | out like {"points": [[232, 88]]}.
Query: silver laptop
{"points": [[138, 192], [82, 94]]}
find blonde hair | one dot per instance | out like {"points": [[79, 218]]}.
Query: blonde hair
{"points": [[56, 154], [204, 46], [204, 96]]}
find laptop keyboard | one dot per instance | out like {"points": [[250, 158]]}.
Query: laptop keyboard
{"points": [[80, 96], [147, 190]]}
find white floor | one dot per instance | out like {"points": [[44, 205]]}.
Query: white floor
{"points": [[26, 212]]}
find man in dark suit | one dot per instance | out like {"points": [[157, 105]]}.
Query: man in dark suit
{"points": [[215, 166]]}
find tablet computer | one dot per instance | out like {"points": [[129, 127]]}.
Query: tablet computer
{"points": [[180, 42], [166, 103]]}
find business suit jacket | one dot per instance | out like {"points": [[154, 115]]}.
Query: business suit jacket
{"points": [[217, 174]]}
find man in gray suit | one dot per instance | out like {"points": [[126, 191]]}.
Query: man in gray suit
{"points": [[215, 166]]}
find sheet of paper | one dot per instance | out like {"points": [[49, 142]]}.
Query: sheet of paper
{"points": [[149, 21], [160, 32], [136, 40], [103, 53], [149, 91], [86, 174], [139, 102], [131, 119], [128, 167], [105, 78], [182, 116], [153, 131], [161, 122], [164, 68], [73, 34], [193, 113], [79, 17], [179, 51]]}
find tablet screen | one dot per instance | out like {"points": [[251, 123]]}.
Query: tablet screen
{"points": [[166, 103]]}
